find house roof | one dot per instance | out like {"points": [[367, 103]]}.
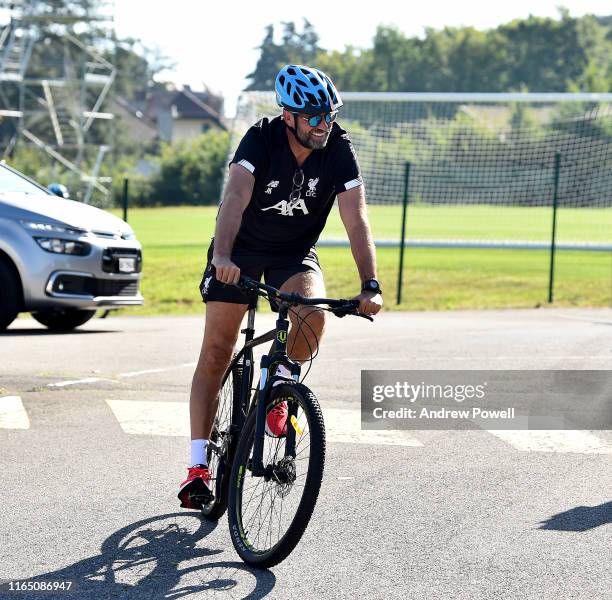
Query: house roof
{"points": [[189, 105], [133, 111]]}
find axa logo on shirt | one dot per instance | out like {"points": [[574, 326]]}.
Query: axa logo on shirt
{"points": [[286, 208]]}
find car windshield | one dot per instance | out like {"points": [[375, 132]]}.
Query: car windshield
{"points": [[12, 182]]}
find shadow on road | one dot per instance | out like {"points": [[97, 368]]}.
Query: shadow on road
{"points": [[160, 557], [580, 518]]}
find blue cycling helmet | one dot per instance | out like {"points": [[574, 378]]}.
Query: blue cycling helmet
{"points": [[306, 90], [59, 190]]}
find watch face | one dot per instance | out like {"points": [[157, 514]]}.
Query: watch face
{"points": [[372, 285]]}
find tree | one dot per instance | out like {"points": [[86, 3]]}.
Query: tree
{"points": [[192, 172], [271, 56], [295, 47], [542, 54]]}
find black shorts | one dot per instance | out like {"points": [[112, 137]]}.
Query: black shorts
{"points": [[274, 268]]}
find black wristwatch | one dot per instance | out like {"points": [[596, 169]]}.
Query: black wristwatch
{"points": [[371, 285]]}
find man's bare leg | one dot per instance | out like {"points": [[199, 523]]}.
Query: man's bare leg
{"points": [[222, 328], [302, 342]]}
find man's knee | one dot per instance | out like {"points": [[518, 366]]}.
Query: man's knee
{"points": [[316, 322], [214, 359], [220, 336], [310, 325], [219, 355]]}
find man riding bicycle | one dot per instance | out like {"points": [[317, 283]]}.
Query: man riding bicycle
{"points": [[282, 183]]}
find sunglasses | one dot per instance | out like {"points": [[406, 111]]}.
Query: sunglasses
{"points": [[298, 182], [316, 120]]}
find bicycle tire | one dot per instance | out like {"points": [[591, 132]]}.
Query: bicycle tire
{"points": [[220, 465], [268, 557]]}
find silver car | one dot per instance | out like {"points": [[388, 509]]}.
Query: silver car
{"points": [[61, 260]]}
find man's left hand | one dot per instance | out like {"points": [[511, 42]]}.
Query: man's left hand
{"points": [[369, 303]]}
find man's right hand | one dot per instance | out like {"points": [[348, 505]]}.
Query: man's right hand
{"points": [[225, 270]]}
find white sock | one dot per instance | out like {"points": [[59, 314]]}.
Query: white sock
{"points": [[198, 452]]}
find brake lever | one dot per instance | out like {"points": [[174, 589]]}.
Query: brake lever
{"points": [[342, 312], [243, 285]]}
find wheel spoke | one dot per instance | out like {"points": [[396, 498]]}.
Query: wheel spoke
{"points": [[267, 510]]}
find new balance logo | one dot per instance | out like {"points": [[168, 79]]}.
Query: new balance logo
{"points": [[273, 184]]}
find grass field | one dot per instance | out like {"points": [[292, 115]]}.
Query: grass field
{"points": [[175, 242], [423, 222]]}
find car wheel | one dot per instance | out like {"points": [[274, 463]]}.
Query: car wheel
{"points": [[63, 319], [9, 296]]}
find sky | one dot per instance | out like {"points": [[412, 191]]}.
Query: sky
{"points": [[215, 43]]}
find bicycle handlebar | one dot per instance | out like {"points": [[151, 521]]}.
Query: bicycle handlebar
{"points": [[339, 307]]}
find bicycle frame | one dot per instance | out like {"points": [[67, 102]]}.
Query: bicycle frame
{"points": [[278, 354]]}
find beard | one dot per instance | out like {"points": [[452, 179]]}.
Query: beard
{"points": [[311, 141]]}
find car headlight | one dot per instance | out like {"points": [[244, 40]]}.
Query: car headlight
{"points": [[50, 228], [59, 246]]}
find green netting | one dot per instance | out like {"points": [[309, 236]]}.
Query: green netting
{"points": [[474, 152], [469, 152]]}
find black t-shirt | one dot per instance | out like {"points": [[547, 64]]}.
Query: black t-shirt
{"points": [[271, 223]]}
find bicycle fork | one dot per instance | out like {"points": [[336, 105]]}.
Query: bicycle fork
{"points": [[277, 355]]}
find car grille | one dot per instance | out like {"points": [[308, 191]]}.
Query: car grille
{"points": [[111, 256], [88, 286], [116, 288]]}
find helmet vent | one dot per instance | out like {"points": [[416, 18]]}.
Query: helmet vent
{"points": [[331, 92], [291, 71], [282, 79], [302, 82], [311, 99]]}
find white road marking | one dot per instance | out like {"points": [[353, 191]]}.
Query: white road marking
{"points": [[121, 375], [77, 381], [137, 373], [172, 419], [13, 414], [343, 425], [582, 442], [152, 418], [148, 371]]}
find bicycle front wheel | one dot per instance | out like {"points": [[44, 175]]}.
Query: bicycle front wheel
{"points": [[268, 515]]}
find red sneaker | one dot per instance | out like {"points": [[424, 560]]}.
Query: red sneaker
{"points": [[195, 490], [276, 420]]}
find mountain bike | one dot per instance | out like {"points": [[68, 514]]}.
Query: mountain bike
{"points": [[269, 484]]}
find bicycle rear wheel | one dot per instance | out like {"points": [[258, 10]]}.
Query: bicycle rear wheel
{"points": [[220, 450], [268, 515]]}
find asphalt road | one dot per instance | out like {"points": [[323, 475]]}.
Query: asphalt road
{"points": [[93, 440]]}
